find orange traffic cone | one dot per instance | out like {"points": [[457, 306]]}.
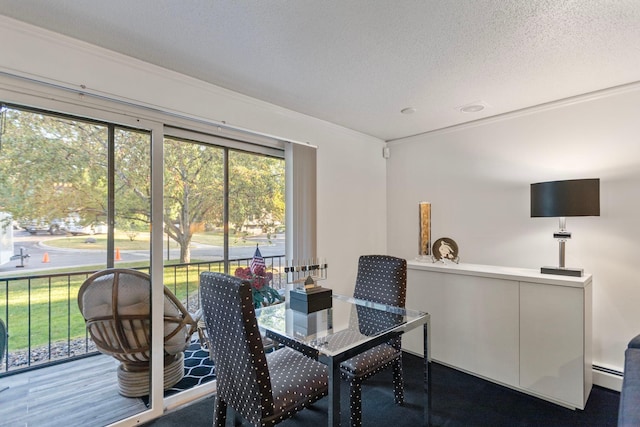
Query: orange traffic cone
{"points": [[118, 258], [45, 257]]}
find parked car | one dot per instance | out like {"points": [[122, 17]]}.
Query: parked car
{"points": [[90, 229], [42, 227]]}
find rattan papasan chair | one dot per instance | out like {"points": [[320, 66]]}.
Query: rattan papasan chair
{"points": [[116, 305]]}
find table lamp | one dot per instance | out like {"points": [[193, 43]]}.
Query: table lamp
{"points": [[576, 197]]}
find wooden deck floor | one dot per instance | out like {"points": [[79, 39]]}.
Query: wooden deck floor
{"points": [[78, 393]]}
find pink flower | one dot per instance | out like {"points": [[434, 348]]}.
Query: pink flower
{"points": [[259, 271], [259, 279], [243, 273]]}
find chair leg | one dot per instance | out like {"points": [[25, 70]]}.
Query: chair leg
{"points": [[355, 402], [398, 381], [220, 415], [237, 419]]}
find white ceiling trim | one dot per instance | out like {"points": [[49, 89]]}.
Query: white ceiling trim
{"points": [[630, 87]]}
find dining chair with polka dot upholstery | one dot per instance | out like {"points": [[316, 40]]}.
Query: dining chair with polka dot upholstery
{"points": [[263, 388], [381, 279]]}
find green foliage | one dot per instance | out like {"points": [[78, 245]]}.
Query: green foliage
{"points": [[194, 188], [256, 191], [49, 165]]}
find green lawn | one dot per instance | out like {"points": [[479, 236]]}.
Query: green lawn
{"points": [[48, 307]]}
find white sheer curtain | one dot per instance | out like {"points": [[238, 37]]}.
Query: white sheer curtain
{"points": [[300, 199]]}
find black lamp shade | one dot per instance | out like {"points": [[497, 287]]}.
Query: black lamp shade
{"points": [[576, 197]]}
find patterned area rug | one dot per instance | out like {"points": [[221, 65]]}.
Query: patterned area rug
{"points": [[198, 369]]}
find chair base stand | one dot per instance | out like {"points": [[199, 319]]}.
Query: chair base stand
{"points": [[136, 384]]}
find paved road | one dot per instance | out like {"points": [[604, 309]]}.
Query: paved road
{"points": [[36, 247]]}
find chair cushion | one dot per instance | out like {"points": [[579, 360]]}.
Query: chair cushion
{"points": [[133, 300], [370, 361], [629, 413], [295, 379]]}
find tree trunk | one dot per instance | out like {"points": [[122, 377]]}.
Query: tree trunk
{"points": [[185, 252]]}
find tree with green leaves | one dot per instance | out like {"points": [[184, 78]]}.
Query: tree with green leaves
{"points": [[50, 166], [256, 191], [194, 190]]}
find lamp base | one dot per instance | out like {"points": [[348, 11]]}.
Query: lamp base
{"points": [[562, 271]]}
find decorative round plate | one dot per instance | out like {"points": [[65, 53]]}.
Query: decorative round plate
{"points": [[445, 248]]}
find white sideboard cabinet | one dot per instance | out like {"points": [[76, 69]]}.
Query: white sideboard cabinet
{"points": [[516, 327]]}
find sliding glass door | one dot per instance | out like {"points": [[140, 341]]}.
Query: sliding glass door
{"points": [[220, 204], [75, 198]]}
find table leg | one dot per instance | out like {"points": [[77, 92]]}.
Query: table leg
{"points": [[427, 377], [334, 393]]}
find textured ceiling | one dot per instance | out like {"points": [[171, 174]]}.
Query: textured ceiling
{"points": [[357, 63]]}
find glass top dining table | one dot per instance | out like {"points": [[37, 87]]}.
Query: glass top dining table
{"points": [[350, 327]]}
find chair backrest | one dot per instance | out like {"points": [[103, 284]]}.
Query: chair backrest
{"points": [[382, 279], [242, 375], [116, 305]]}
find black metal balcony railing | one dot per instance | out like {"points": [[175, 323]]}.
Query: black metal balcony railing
{"points": [[44, 323]]}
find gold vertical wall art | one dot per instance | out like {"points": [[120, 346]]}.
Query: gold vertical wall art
{"points": [[425, 228]]}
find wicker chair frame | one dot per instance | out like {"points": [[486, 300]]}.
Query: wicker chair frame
{"points": [[127, 337]]}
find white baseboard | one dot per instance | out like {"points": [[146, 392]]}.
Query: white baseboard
{"points": [[607, 380]]}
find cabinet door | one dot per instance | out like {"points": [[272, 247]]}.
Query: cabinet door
{"points": [[552, 358], [474, 322]]}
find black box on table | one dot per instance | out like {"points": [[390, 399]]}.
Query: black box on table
{"points": [[311, 300]]}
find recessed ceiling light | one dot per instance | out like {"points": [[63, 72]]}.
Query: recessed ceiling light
{"points": [[408, 110], [472, 107]]}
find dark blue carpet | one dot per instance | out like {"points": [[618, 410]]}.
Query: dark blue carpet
{"points": [[459, 400], [198, 369]]}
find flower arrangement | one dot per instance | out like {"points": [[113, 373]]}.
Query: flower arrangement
{"points": [[259, 278]]}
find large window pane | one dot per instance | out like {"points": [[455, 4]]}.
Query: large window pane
{"points": [[132, 198], [256, 205], [53, 183], [193, 199]]}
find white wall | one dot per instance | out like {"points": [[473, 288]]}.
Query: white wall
{"points": [[477, 178], [351, 169]]}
